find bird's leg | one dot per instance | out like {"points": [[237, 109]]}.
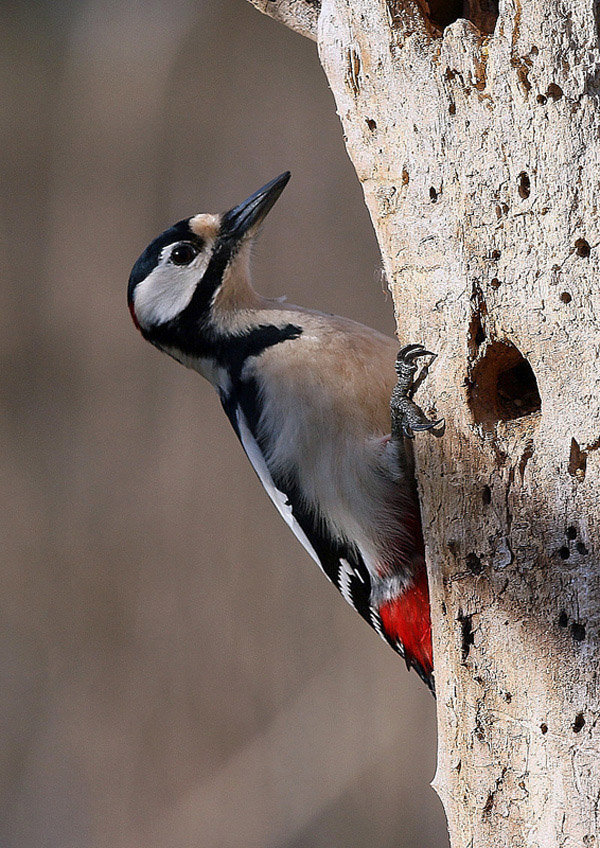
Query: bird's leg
{"points": [[407, 417]]}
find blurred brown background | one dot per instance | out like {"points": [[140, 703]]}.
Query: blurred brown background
{"points": [[175, 670]]}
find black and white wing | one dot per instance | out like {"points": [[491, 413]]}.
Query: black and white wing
{"points": [[341, 564]]}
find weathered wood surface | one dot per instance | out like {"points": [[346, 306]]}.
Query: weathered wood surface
{"points": [[479, 157]]}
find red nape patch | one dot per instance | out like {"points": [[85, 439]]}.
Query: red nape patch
{"points": [[134, 316], [408, 619]]}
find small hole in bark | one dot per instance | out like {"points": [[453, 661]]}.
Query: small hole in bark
{"points": [[571, 533], [577, 461], [541, 99], [433, 195], [503, 386], [474, 564], [544, 728], [564, 552], [563, 619], [372, 125], [579, 723], [566, 297], [405, 177], [496, 254], [476, 334], [486, 495], [581, 549], [467, 638], [578, 631], [489, 804], [495, 283], [524, 185], [452, 108], [554, 91], [582, 248]]}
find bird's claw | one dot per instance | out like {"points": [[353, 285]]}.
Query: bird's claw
{"points": [[411, 352], [407, 417], [409, 430]]}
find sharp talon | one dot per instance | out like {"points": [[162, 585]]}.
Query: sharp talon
{"points": [[406, 350], [416, 354], [411, 357]]}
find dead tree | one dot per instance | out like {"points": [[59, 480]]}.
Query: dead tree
{"points": [[475, 136]]}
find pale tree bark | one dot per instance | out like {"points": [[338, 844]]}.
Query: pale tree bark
{"points": [[477, 144]]}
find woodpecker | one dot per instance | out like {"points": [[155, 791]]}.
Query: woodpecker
{"points": [[308, 395]]}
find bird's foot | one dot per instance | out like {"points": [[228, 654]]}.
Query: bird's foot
{"points": [[407, 417]]}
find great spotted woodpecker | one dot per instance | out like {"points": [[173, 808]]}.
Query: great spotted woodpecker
{"points": [[308, 396]]}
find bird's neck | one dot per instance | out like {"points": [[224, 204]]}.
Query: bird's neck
{"points": [[236, 292]]}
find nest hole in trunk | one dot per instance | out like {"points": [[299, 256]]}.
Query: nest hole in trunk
{"points": [[503, 386], [482, 13]]}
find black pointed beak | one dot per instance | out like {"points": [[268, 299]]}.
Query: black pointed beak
{"points": [[246, 218]]}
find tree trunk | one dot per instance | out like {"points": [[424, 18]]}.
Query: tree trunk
{"points": [[477, 145]]}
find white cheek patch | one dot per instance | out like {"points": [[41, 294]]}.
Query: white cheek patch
{"points": [[169, 288]]}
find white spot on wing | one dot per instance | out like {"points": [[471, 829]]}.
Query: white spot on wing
{"points": [[279, 498], [376, 621], [345, 575]]}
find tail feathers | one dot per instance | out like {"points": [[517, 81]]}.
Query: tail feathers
{"points": [[407, 620]]}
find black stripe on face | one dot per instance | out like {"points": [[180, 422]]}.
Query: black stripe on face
{"points": [[198, 309], [199, 306]]}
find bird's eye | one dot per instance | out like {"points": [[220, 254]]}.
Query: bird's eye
{"points": [[183, 254]]}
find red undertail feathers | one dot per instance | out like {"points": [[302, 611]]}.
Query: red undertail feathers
{"points": [[408, 620]]}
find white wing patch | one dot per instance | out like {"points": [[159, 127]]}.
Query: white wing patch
{"points": [[279, 498], [345, 575]]}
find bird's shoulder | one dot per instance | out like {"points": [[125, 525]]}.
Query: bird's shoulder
{"points": [[331, 362]]}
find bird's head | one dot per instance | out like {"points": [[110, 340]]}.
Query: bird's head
{"points": [[180, 276]]}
